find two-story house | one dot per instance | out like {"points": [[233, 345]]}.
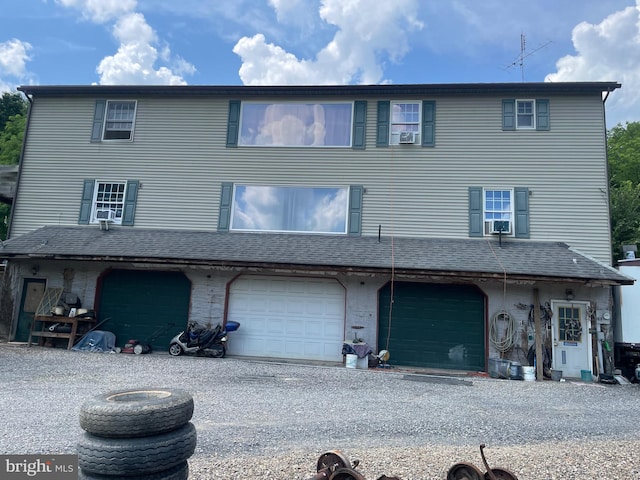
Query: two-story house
{"points": [[432, 216]]}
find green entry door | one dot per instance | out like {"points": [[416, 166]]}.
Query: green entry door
{"points": [[32, 292], [433, 325], [149, 306]]}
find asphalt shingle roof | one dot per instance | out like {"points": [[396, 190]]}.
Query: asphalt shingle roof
{"points": [[471, 258]]}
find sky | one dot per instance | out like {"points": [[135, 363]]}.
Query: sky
{"points": [[322, 42]]}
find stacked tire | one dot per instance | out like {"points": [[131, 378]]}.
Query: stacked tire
{"points": [[140, 434]]}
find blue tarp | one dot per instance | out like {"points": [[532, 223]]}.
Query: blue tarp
{"points": [[96, 341]]}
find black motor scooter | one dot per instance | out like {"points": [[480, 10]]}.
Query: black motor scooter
{"points": [[200, 340]]}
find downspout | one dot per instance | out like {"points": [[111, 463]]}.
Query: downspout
{"points": [[24, 145]]}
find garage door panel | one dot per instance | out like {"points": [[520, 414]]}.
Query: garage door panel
{"points": [[302, 318], [150, 306], [434, 325]]}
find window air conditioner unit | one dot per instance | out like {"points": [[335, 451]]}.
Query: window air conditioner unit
{"points": [[105, 215], [407, 137], [500, 226]]}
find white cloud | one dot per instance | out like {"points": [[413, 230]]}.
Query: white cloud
{"points": [[101, 11], [366, 36], [137, 57], [608, 51], [14, 55]]}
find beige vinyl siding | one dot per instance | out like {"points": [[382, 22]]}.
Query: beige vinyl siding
{"points": [[179, 155]]}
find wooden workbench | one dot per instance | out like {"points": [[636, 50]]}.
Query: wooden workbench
{"points": [[41, 324]]}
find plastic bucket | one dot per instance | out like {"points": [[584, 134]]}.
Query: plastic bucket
{"points": [[352, 360], [586, 376], [529, 374]]}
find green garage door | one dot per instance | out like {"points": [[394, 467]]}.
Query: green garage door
{"points": [[148, 306], [433, 326]]}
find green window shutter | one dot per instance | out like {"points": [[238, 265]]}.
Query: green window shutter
{"points": [[508, 114], [521, 195], [224, 217], [542, 115], [130, 200], [359, 124], [428, 123], [86, 202], [475, 212], [233, 126], [98, 120], [355, 210], [384, 112]]}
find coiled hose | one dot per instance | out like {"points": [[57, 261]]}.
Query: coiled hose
{"points": [[505, 342]]}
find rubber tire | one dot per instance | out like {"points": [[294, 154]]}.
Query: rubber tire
{"points": [[179, 472], [136, 413], [127, 457], [175, 350]]}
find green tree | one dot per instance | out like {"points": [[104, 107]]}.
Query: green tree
{"points": [[11, 140], [13, 114], [623, 149], [5, 210], [624, 153], [11, 104], [625, 216]]}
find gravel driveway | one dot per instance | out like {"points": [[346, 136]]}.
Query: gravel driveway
{"points": [[263, 420]]}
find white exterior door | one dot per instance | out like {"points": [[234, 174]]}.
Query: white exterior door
{"points": [[287, 317], [571, 338]]}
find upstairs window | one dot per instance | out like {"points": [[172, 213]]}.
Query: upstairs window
{"points": [[108, 201], [119, 122], [405, 123], [294, 124], [533, 114], [498, 211], [290, 209], [113, 120], [525, 117]]}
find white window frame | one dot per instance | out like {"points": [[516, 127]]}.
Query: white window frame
{"points": [[532, 114], [105, 128], [312, 131], [510, 213], [101, 202], [394, 133]]}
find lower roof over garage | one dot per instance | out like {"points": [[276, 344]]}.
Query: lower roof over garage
{"points": [[474, 258]]}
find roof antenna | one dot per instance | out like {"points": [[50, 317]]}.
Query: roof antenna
{"points": [[523, 54]]}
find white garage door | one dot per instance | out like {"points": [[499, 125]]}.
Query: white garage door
{"points": [[285, 317]]}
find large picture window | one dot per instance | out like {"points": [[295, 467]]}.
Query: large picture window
{"points": [[290, 209], [296, 124]]}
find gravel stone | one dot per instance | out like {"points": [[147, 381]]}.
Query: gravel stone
{"points": [[257, 419]]}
